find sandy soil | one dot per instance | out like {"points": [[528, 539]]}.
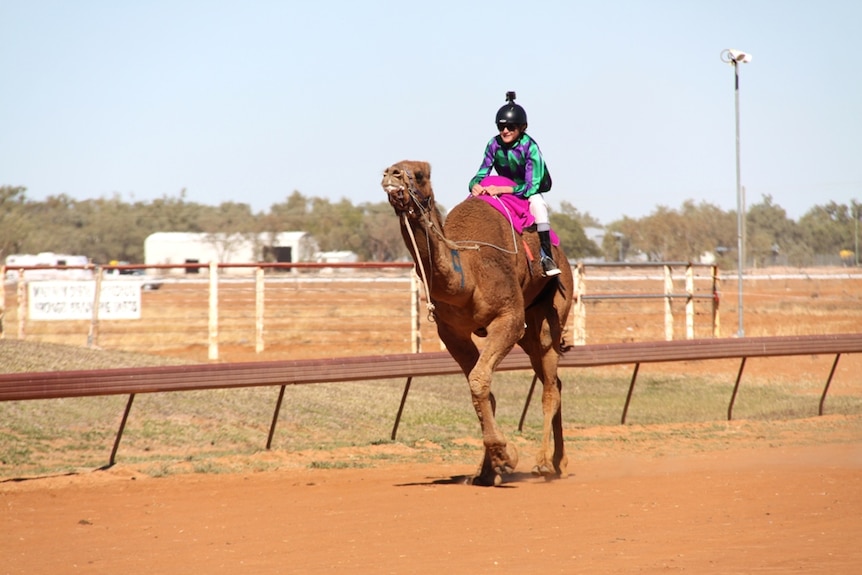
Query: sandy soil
{"points": [[697, 505]]}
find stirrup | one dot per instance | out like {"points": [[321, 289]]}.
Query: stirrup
{"points": [[549, 268]]}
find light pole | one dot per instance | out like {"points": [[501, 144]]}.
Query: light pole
{"points": [[734, 58]]}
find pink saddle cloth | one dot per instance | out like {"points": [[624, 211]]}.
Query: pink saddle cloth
{"points": [[514, 208]]}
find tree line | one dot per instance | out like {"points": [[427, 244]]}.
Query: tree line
{"points": [[112, 228], [826, 234]]}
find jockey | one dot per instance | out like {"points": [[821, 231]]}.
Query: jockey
{"points": [[515, 155]]}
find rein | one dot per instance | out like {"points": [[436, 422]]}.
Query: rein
{"points": [[423, 205], [458, 246], [425, 284], [423, 209]]}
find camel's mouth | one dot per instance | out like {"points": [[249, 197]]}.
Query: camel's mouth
{"points": [[395, 185]]}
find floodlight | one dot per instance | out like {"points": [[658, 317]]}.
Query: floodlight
{"points": [[735, 56]]}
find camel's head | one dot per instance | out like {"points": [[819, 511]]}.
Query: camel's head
{"points": [[408, 185]]}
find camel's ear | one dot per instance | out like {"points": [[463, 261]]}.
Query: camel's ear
{"points": [[422, 172]]}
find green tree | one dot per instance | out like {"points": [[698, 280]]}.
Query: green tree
{"points": [[291, 215], [660, 235], [339, 226], [383, 234], [705, 227], [112, 231], [13, 220], [666, 234], [770, 234], [569, 224], [58, 226], [828, 229], [621, 239], [172, 214]]}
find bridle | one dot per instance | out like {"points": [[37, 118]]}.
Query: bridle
{"points": [[423, 209], [419, 208], [407, 212], [423, 204]]}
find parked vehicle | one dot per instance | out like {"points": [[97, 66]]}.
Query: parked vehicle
{"points": [[48, 266], [148, 282]]}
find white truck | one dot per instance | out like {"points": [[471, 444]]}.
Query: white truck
{"points": [[49, 266]]}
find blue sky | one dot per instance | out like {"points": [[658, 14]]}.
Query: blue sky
{"points": [[247, 101]]}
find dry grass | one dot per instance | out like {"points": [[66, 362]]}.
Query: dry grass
{"points": [[349, 424], [18, 356]]}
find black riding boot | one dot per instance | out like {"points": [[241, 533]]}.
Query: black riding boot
{"points": [[549, 268]]}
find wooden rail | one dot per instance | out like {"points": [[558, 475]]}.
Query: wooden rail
{"points": [[132, 381]]}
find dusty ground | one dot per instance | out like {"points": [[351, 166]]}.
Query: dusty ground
{"points": [[714, 509], [740, 497]]}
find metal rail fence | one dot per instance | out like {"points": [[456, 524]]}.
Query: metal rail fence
{"points": [[133, 381]]}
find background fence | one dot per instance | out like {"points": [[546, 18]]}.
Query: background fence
{"points": [[278, 311], [693, 289]]}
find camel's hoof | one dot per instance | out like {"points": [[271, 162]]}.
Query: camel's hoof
{"points": [[543, 471], [485, 481], [511, 461]]}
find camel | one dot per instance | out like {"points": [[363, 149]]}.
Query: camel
{"points": [[482, 282]]}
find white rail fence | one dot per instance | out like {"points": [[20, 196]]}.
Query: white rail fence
{"points": [[669, 292], [285, 303], [277, 310]]}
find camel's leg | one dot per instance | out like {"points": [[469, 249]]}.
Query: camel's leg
{"points": [[487, 474], [503, 332], [551, 459], [499, 457], [557, 327], [541, 344], [466, 354]]}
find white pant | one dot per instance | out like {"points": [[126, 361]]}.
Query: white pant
{"points": [[539, 209]]}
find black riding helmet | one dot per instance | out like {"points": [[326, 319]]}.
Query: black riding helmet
{"points": [[511, 113]]}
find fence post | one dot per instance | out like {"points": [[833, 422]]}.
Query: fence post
{"points": [[716, 321], [93, 335], [213, 316], [668, 311], [2, 300], [580, 308], [22, 304], [415, 331], [258, 309], [689, 302]]}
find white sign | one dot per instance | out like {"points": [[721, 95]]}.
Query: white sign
{"points": [[67, 300]]}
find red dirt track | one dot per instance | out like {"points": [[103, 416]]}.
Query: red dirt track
{"points": [[738, 510]]}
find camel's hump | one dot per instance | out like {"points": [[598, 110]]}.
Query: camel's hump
{"points": [[475, 219]]}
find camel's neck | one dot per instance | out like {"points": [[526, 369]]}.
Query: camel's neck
{"points": [[439, 259]]}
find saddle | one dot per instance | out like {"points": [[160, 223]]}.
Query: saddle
{"points": [[515, 208]]}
